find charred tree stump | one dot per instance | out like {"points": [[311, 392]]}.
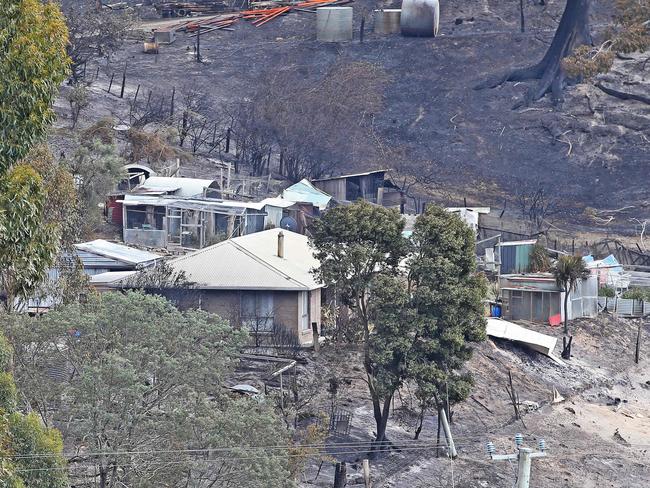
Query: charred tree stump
{"points": [[572, 31], [566, 349]]}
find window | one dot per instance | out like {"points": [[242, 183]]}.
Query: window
{"points": [[303, 310], [257, 310]]}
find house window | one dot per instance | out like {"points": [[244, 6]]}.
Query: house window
{"points": [[303, 309], [517, 294], [257, 311]]}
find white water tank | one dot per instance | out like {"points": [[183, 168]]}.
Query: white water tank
{"points": [[334, 24], [420, 18], [387, 21]]}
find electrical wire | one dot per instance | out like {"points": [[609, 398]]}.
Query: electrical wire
{"points": [[397, 445]]}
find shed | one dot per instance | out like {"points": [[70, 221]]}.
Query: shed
{"points": [[514, 256], [372, 186], [305, 192], [537, 298]]}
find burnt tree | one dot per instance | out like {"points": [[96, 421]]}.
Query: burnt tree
{"points": [[572, 31]]}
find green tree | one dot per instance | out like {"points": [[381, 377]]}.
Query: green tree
{"points": [[355, 245], [28, 245], [31, 454], [568, 271], [141, 377], [447, 294], [416, 321], [97, 168], [33, 63]]}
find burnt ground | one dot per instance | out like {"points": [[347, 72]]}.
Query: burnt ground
{"points": [[604, 392], [593, 151]]}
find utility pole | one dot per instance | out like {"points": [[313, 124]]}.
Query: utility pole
{"points": [[524, 457]]}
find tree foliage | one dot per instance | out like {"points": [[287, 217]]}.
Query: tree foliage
{"points": [[136, 376], [628, 32], [31, 454], [28, 244], [568, 271], [417, 305], [97, 169], [447, 294], [33, 63], [95, 34]]}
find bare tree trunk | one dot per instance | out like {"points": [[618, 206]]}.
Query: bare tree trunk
{"points": [[566, 311], [420, 422], [573, 30]]}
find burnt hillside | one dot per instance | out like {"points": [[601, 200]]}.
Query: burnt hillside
{"points": [[593, 150]]}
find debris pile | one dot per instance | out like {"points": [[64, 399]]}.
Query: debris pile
{"points": [[258, 16], [187, 9]]}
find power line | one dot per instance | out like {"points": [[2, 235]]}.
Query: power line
{"points": [[397, 445]]}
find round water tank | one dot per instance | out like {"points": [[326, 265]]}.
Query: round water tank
{"points": [[420, 18], [387, 21], [334, 24]]}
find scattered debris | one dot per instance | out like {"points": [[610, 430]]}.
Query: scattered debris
{"points": [[620, 439]]}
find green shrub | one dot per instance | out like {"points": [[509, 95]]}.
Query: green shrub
{"points": [[606, 291]]}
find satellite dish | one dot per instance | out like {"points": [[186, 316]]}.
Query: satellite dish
{"points": [[289, 223]]}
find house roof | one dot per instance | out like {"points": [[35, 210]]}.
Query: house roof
{"points": [[518, 243], [367, 173], [304, 191], [117, 252], [251, 262], [110, 277], [180, 187], [231, 207]]}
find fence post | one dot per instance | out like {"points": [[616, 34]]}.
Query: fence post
{"points": [[123, 82]]}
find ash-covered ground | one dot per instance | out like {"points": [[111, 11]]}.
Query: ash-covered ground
{"points": [[598, 435], [593, 150]]}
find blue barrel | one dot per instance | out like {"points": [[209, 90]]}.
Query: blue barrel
{"points": [[495, 308]]}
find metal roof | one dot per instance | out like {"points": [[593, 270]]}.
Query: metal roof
{"points": [[117, 252], [518, 243], [304, 191], [367, 173], [110, 277], [251, 262], [181, 187]]}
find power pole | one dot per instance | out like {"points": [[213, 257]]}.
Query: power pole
{"points": [[524, 457]]}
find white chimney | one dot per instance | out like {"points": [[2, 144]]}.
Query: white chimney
{"points": [[280, 244]]}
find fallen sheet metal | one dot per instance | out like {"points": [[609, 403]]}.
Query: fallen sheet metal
{"points": [[510, 331]]}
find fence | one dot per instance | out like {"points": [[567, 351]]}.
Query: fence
{"points": [[624, 307]]}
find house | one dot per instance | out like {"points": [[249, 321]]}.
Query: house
{"points": [[165, 212], [262, 281], [537, 298], [99, 258], [372, 186]]}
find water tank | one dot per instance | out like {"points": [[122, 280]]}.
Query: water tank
{"points": [[420, 18], [334, 24], [387, 21]]}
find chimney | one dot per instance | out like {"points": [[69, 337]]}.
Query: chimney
{"points": [[280, 244]]}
